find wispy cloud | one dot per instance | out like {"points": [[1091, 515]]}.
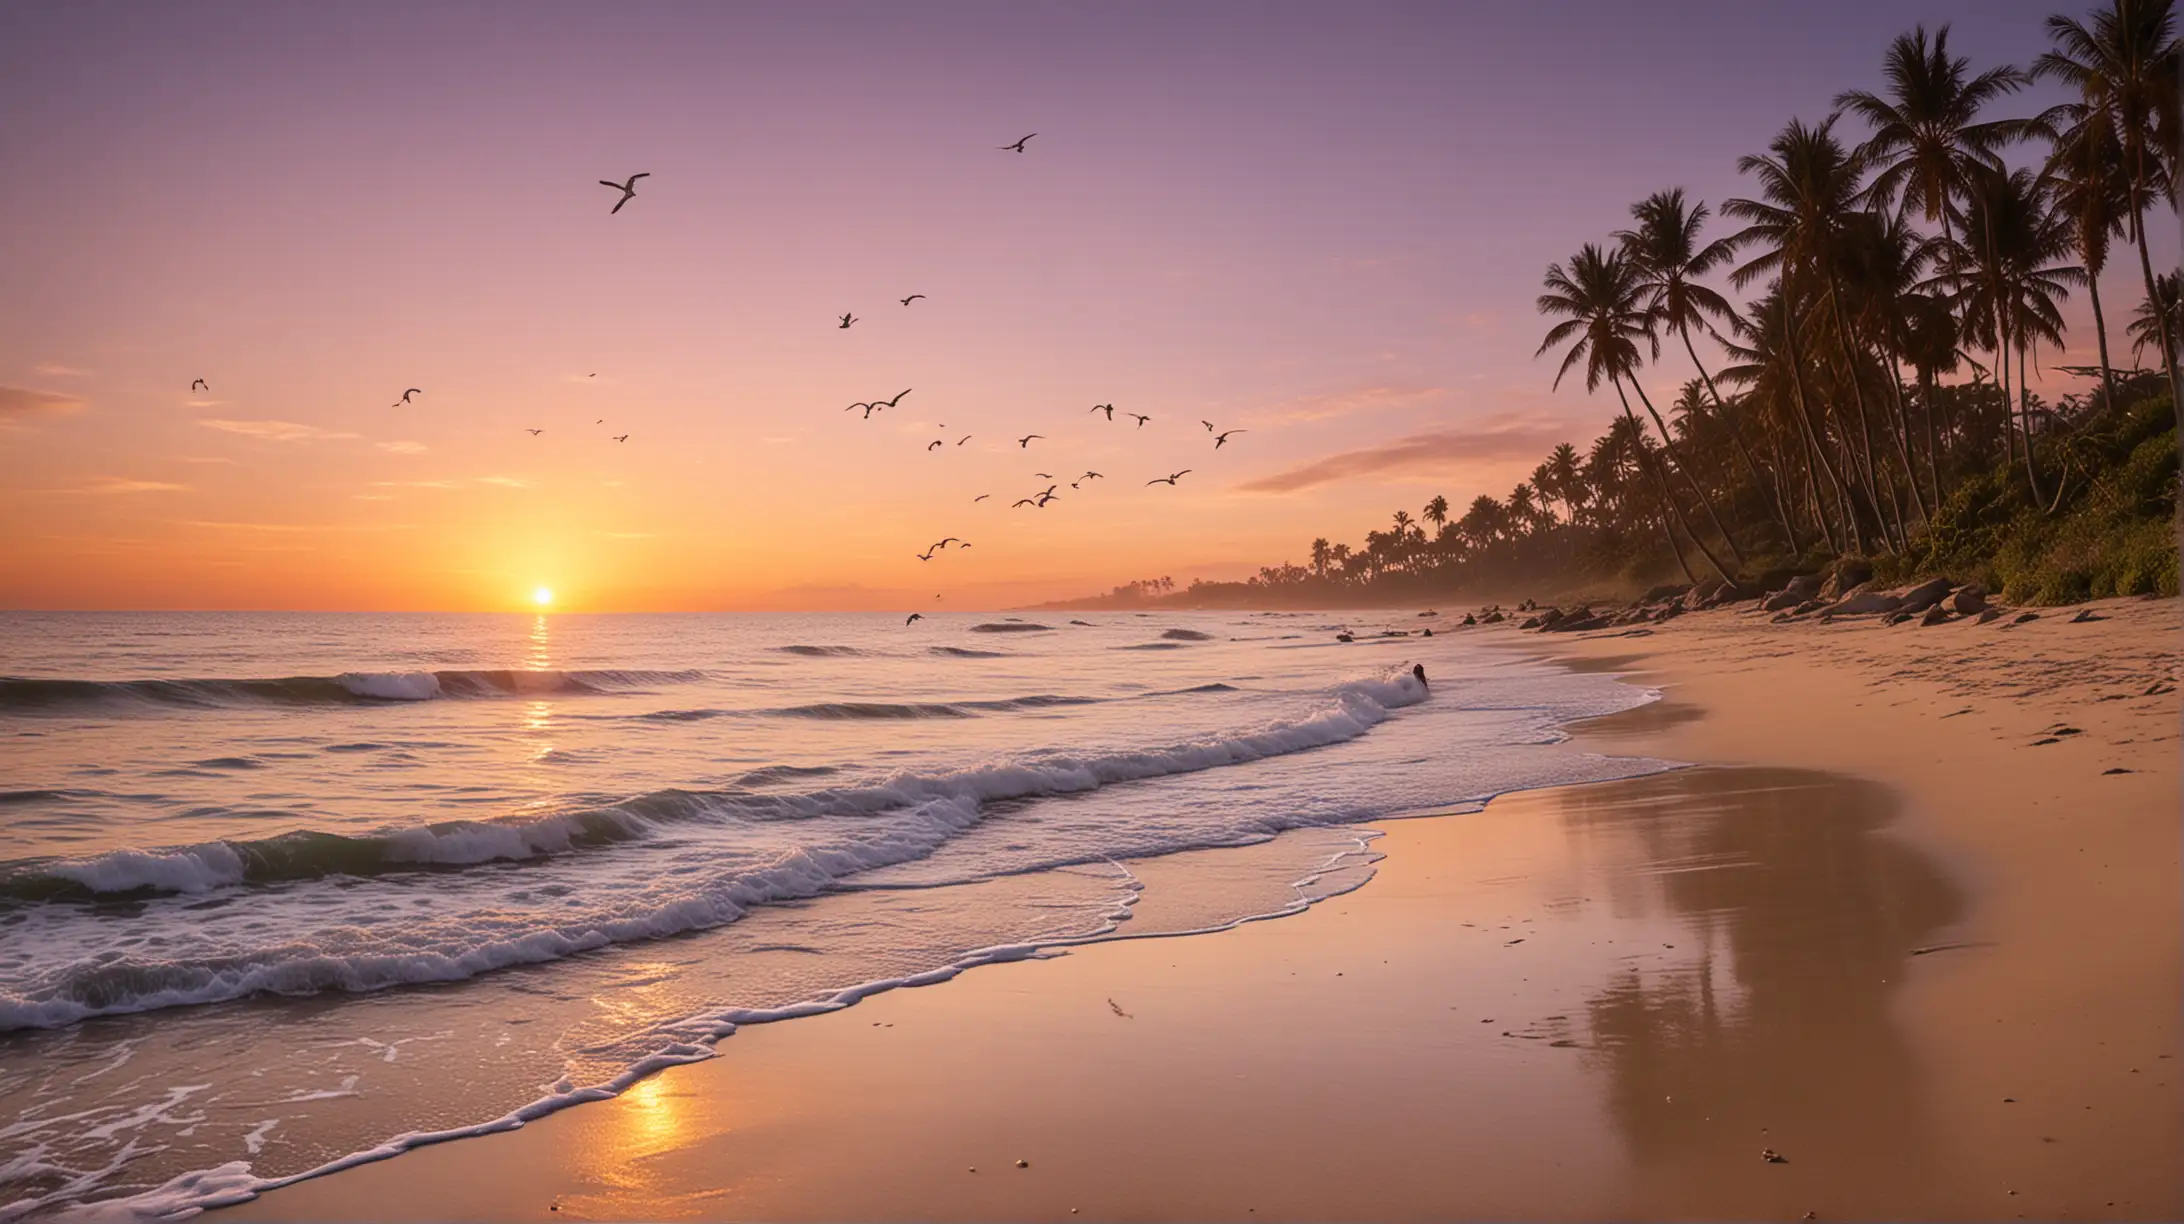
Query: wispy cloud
{"points": [[125, 484], [275, 431], [1330, 404], [290, 528], [54, 369], [413, 484], [206, 459], [202, 403], [1436, 453], [505, 482], [404, 447], [20, 404]]}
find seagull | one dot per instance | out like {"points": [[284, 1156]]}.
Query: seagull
{"points": [[916, 616], [867, 409], [898, 396], [1018, 147], [600, 421], [932, 446], [912, 298], [621, 437], [1023, 501], [1208, 425], [981, 497], [1044, 498], [965, 438], [1169, 480], [927, 555], [848, 319], [627, 189], [406, 396], [1091, 476], [950, 540], [591, 376], [199, 384], [534, 432], [1141, 419], [1025, 441], [1043, 476], [1109, 409], [1219, 438]]}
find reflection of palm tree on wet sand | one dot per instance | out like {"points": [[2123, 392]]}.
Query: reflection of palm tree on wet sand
{"points": [[1805, 917]]}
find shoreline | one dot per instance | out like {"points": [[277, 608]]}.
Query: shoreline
{"points": [[1206, 1077]]}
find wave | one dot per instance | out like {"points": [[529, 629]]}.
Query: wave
{"points": [[921, 812], [821, 652], [21, 694], [850, 710], [963, 652], [1010, 627], [1187, 635]]}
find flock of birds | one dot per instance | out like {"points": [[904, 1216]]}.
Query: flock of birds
{"points": [[1036, 501]]}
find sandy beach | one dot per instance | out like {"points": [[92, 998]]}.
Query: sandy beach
{"points": [[1913, 931]]}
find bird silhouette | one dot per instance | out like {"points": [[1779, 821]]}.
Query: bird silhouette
{"points": [[848, 319], [407, 394], [1109, 409], [600, 421], [950, 540], [627, 189], [199, 384], [1018, 147], [1026, 441], [1169, 480], [927, 555], [591, 376], [1219, 438], [1141, 419], [1208, 425], [1042, 476], [932, 446], [965, 438], [1023, 501], [916, 616], [889, 403], [981, 497], [868, 409], [534, 432], [912, 298], [621, 437]]}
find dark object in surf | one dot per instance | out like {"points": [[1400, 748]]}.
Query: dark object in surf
{"points": [[1773, 1157], [1989, 615], [1345, 637], [1419, 670], [1427, 633], [1469, 619], [2117, 770], [1938, 614], [2022, 617], [2086, 614]]}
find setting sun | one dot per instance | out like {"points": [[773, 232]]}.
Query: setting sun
{"points": [[543, 596]]}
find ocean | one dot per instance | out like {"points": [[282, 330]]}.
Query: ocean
{"points": [[281, 892]]}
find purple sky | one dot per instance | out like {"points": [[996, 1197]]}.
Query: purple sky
{"points": [[1324, 225]]}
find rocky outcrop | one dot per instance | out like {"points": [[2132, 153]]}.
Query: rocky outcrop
{"points": [[1970, 599], [1847, 575], [1938, 614], [1923, 596], [1801, 588], [1863, 601]]}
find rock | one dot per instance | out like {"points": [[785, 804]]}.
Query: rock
{"points": [[1492, 618], [1529, 622], [1429, 612], [1800, 589], [1938, 614], [1987, 615], [1023, 1164], [1469, 619], [1895, 618], [1345, 637], [1847, 575], [1576, 623], [1773, 1157], [2022, 617], [1969, 599], [1727, 592], [1864, 601], [1670, 612], [1923, 596], [1810, 605], [1429, 633], [1667, 590], [2084, 615]]}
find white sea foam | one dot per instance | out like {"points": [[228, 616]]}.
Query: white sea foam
{"points": [[391, 686]]}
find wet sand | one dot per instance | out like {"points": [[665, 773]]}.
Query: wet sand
{"points": [[1886, 933]]}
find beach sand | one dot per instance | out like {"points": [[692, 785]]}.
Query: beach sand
{"points": [[1886, 931]]}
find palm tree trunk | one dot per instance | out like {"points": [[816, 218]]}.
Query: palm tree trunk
{"points": [[1902, 427], [2161, 316], [2009, 425], [2100, 332], [1933, 444], [1736, 434], [1660, 483], [1676, 458], [1815, 446], [2024, 414], [1857, 386]]}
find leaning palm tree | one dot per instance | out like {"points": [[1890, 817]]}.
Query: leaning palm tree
{"points": [[2122, 60], [2085, 171], [2147, 321], [1321, 554], [1602, 307], [1927, 136], [1809, 194], [1569, 483]]}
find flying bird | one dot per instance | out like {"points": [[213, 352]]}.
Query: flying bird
{"points": [[848, 319], [621, 437], [927, 555], [1018, 147], [1091, 476], [932, 446], [534, 432], [1219, 438], [1208, 425], [1023, 501], [1109, 409], [1043, 476], [1025, 441], [1169, 480], [199, 384], [1141, 419], [600, 421], [916, 616], [912, 298], [898, 398], [406, 396], [591, 376], [965, 438], [981, 497], [627, 189]]}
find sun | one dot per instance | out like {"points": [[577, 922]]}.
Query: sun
{"points": [[543, 597]]}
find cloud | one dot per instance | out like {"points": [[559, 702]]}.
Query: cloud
{"points": [[1494, 441], [202, 403], [124, 484], [404, 447], [205, 459], [54, 369], [505, 482], [275, 431], [1330, 404], [21, 403], [413, 484]]}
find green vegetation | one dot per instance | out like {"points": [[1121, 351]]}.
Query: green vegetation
{"points": [[1876, 402]]}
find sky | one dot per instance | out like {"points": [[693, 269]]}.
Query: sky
{"points": [[1321, 225]]}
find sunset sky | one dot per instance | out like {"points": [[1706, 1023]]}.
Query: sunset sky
{"points": [[1321, 224]]}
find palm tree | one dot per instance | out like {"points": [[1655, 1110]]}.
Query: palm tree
{"points": [[1604, 317], [2122, 60], [1436, 511], [2086, 173], [1568, 483], [1321, 554], [2147, 321], [1927, 139]]}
